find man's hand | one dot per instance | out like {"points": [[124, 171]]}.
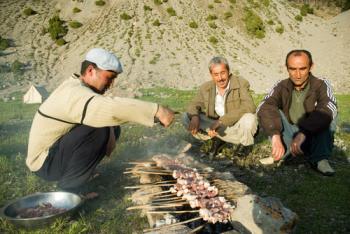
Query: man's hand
{"points": [[165, 115], [193, 127], [213, 128], [295, 146], [278, 149], [111, 142]]}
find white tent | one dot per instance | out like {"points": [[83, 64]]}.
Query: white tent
{"points": [[35, 94]]}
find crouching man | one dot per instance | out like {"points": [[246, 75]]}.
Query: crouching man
{"points": [[223, 110], [297, 114]]}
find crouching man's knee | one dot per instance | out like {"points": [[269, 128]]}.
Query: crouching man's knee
{"points": [[249, 122]]}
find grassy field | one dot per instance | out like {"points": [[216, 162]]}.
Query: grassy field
{"points": [[322, 204]]}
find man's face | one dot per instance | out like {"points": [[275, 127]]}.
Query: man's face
{"points": [[220, 75], [102, 80], [298, 68]]}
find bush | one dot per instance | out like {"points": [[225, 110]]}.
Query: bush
{"points": [[213, 40], [254, 24], [29, 11], [306, 9], [270, 22], [212, 24], [280, 29], [147, 8], [75, 24], [157, 2], [76, 10], [298, 18], [211, 17], [156, 23], [266, 3], [171, 11], [217, 1], [100, 3], [57, 29], [60, 42], [210, 6], [125, 16], [4, 43], [232, 1], [193, 24], [227, 15], [17, 67]]}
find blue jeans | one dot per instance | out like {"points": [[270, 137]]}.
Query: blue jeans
{"points": [[315, 147]]}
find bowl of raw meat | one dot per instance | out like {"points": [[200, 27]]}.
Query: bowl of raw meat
{"points": [[41, 209]]}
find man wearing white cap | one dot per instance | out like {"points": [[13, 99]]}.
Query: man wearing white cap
{"points": [[77, 126]]}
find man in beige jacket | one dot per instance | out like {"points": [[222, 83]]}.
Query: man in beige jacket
{"points": [[223, 109], [77, 126]]}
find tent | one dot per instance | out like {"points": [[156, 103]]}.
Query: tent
{"points": [[35, 94]]}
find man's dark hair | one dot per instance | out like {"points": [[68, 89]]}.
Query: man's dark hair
{"points": [[84, 66], [299, 53]]}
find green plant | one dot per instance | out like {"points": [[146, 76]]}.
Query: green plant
{"points": [[210, 6], [266, 2], [193, 24], [232, 1], [217, 1], [227, 15], [212, 24], [76, 10], [56, 28], [306, 9], [147, 8], [213, 40], [100, 3], [280, 29], [60, 42], [156, 23], [211, 17], [125, 16], [17, 67], [158, 2], [270, 22], [171, 11], [75, 24], [4, 43], [29, 11], [298, 18], [254, 24]]}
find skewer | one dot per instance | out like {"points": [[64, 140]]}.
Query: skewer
{"points": [[167, 195], [197, 229], [154, 207], [147, 172], [169, 198], [152, 185], [140, 162], [169, 202], [172, 225], [173, 211], [156, 193]]}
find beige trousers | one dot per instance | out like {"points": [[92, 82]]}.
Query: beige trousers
{"points": [[242, 132]]}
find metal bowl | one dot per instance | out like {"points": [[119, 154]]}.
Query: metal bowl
{"points": [[69, 201]]}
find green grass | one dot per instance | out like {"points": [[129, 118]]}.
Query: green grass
{"points": [[322, 204]]}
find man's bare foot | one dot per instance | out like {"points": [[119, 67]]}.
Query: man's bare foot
{"points": [[95, 174]]}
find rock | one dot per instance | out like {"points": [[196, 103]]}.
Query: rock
{"points": [[266, 161]]}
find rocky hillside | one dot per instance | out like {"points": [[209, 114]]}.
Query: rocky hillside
{"points": [[169, 43]]}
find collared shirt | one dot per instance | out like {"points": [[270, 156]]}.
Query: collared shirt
{"points": [[220, 101]]}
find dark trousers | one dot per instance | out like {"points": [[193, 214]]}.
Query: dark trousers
{"points": [[316, 147], [73, 158]]}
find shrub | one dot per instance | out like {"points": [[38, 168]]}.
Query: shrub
{"points": [[298, 18], [210, 6], [217, 1], [227, 15], [157, 2], [232, 1], [17, 67], [306, 9], [147, 8], [156, 23], [212, 24], [100, 3], [4, 43], [29, 11], [171, 11], [213, 40], [60, 42], [280, 29], [76, 10], [270, 22], [254, 24], [57, 29], [125, 16], [193, 24], [75, 24], [266, 2], [211, 17]]}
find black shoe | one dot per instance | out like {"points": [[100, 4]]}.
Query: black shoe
{"points": [[242, 150], [216, 143]]}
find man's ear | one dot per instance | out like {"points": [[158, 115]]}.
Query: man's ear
{"points": [[312, 66]]}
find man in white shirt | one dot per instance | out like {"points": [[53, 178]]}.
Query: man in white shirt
{"points": [[223, 109]]}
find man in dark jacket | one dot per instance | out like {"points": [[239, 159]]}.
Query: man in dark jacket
{"points": [[223, 109], [297, 114]]}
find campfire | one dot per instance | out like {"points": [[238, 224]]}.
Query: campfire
{"points": [[190, 198]]}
